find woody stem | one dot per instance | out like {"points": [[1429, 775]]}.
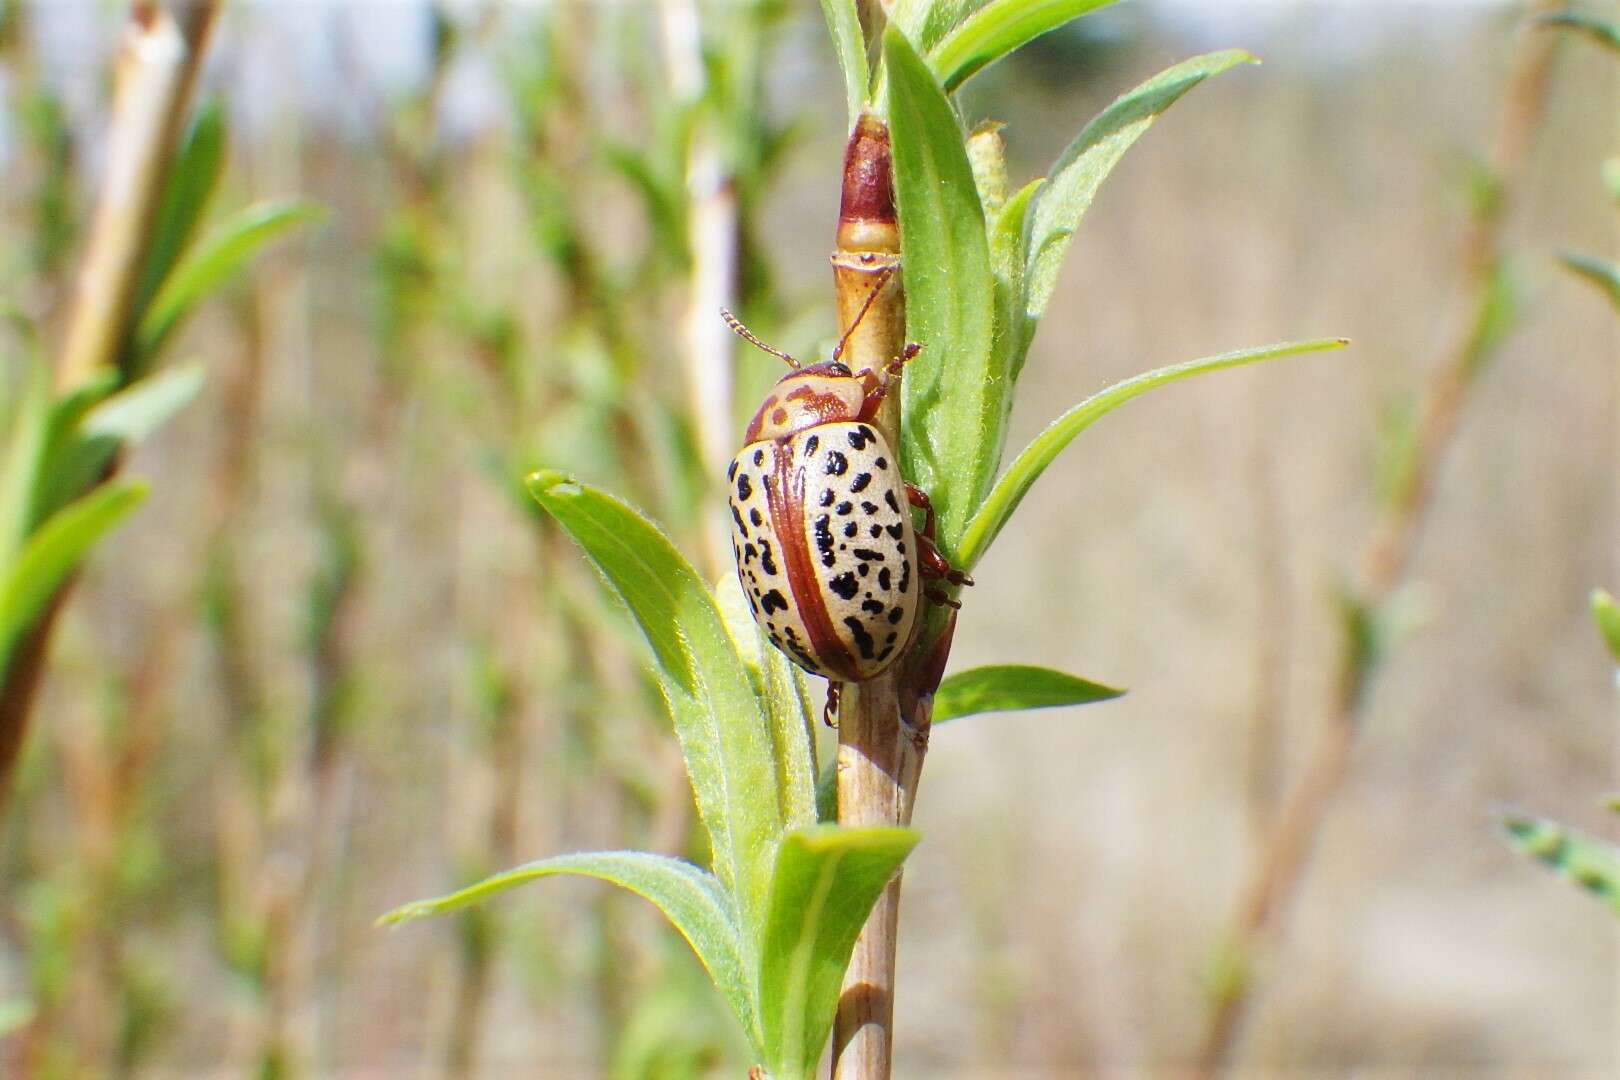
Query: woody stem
{"points": [[879, 753]]}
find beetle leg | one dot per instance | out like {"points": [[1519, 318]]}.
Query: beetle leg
{"points": [[934, 596], [829, 711], [929, 560], [878, 385]]}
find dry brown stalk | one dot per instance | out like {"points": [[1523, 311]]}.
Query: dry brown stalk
{"points": [[156, 69], [1386, 559]]}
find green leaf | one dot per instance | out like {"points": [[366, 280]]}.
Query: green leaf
{"points": [[1606, 613], [23, 462], [1028, 466], [1601, 31], [53, 552], [849, 43], [1087, 161], [1605, 275], [1011, 687], [723, 731], [1589, 863], [217, 259], [135, 412], [192, 179], [88, 428], [956, 396], [997, 29], [1014, 327], [690, 897], [827, 880], [781, 686], [927, 22]]}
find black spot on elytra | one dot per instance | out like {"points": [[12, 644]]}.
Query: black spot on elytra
{"points": [[882, 463], [863, 640], [895, 615], [759, 457], [749, 554], [845, 508], [875, 531], [850, 529], [896, 531], [859, 438], [745, 489], [864, 569], [874, 606], [844, 585], [812, 444], [869, 433], [905, 573], [767, 561], [773, 601], [867, 555], [860, 482], [736, 517], [888, 497], [731, 473], [883, 579], [826, 496], [824, 540], [756, 519], [869, 507], [837, 463]]}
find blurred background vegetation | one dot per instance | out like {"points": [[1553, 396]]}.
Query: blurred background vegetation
{"points": [[338, 661]]}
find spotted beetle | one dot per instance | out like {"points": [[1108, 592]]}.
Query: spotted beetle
{"points": [[821, 524]]}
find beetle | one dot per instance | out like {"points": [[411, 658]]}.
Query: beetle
{"points": [[821, 527]]}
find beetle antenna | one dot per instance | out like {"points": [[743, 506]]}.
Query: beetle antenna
{"points": [[883, 279], [748, 335]]}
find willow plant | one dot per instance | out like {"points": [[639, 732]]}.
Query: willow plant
{"points": [[793, 877], [147, 266], [1588, 862]]}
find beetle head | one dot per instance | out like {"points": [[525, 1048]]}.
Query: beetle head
{"points": [[825, 393]]}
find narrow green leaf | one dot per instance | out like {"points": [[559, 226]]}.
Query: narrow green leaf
{"points": [[1087, 161], [787, 703], [827, 880], [956, 396], [849, 43], [192, 179], [719, 721], [997, 29], [1601, 31], [135, 412], [927, 22], [1014, 327], [1605, 275], [690, 897], [1606, 613], [1589, 863], [1028, 466], [25, 451], [1011, 687], [53, 552], [217, 259]]}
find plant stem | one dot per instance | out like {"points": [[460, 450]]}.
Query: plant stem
{"points": [[1386, 560], [880, 752], [157, 66]]}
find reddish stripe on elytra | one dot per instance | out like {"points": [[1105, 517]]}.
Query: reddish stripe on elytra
{"points": [[785, 498]]}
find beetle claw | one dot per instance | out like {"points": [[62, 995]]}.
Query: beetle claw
{"points": [[829, 711]]}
